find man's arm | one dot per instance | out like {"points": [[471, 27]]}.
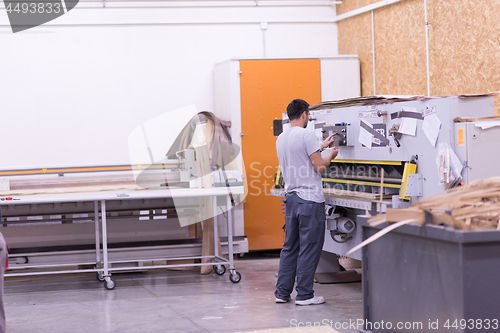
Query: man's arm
{"points": [[320, 163]]}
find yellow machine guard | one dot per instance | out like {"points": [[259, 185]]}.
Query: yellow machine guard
{"points": [[410, 168]]}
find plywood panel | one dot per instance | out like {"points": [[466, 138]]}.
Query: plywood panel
{"points": [[463, 40], [400, 49], [465, 50], [353, 4], [267, 86]]}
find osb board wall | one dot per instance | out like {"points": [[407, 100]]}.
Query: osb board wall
{"points": [[401, 67], [465, 40], [349, 5], [464, 46]]}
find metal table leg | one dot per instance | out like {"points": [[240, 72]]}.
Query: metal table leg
{"points": [[218, 269], [98, 263], [97, 236], [108, 282], [216, 229], [234, 276], [230, 233]]}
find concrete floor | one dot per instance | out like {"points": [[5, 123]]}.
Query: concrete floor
{"points": [[171, 301]]}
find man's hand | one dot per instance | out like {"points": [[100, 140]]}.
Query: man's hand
{"points": [[319, 162], [328, 142]]}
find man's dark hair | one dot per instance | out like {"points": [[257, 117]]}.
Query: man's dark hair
{"points": [[296, 107]]}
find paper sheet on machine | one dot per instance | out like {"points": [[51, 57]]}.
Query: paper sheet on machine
{"points": [[487, 124], [431, 127], [408, 124]]}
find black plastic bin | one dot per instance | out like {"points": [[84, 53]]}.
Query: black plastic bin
{"points": [[431, 279]]}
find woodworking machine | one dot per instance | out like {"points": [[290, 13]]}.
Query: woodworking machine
{"points": [[419, 147]]}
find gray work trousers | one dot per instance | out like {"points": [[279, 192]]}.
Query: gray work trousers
{"points": [[304, 237]]}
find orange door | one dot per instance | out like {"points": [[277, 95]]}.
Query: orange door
{"points": [[267, 86]]}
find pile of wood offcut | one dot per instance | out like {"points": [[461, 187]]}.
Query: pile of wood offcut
{"points": [[472, 207]]}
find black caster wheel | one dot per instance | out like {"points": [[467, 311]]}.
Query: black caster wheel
{"points": [[99, 276], [234, 277], [110, 284], [241, 255], [219, 269]]}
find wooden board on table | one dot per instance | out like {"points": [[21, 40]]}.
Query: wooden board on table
{"points": [[364, 195]]}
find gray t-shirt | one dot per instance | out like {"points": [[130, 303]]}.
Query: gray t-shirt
{"points": [[294, 146]]}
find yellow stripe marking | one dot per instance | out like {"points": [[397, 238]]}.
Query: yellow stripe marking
{"points": [[368, 162], [357, 182]]}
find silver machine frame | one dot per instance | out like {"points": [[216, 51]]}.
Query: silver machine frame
{"points": [[475, 150]]}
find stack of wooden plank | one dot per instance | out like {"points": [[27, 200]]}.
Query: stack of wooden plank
{"points": [[472, 207], [380, 99], [471, 119]]}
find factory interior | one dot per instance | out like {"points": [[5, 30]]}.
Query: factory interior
{"points": [[148, 177]]}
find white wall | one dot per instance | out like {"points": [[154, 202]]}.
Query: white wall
{"points": [[340, 77], [73, 89]]}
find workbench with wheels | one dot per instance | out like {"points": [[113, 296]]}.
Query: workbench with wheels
{"points": [[102, 264]]}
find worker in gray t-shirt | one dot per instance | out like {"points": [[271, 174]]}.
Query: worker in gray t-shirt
{"points": [[301, 164]]}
